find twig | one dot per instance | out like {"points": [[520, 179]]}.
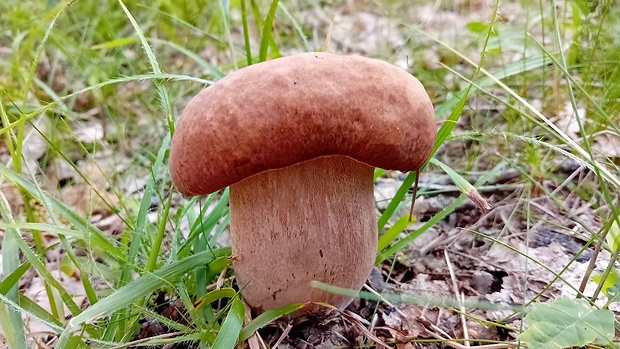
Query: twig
{"points": [[221, 279], [253, 340], [353, 318], [415, 192], [283, 336], [389, 304], [328, 38], [460, 298], [458, 345]]}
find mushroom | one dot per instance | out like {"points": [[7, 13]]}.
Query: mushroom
{"points": [[297, 140]]}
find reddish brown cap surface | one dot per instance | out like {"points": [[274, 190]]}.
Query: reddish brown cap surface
{"points": [[277, 113]]}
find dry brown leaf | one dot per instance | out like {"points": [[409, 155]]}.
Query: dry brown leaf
{"points": [[608, 144], [365, 32], [403, 324], [566, 120], [13, 197], [85, 198], [89, 132]]}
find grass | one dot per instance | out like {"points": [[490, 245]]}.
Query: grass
{"points": [[503, 88]]}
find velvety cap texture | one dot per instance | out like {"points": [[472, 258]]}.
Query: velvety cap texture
{"points": [[278, 113]]}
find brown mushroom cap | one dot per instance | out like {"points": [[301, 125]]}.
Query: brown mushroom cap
{"points": [[289, 110]]}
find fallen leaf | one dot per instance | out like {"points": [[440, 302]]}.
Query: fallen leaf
{"points": [[89, 132], [87, 199], [607, 143]]}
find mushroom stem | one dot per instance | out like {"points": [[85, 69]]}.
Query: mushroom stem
{"points": [[311, 221]]}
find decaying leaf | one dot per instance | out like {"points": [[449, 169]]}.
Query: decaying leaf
{"points": [[85, 198], [608, 144]]}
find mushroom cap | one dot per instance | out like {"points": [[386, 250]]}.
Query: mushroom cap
{"points": [[281, 112]]}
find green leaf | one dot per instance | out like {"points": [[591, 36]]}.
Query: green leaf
{"points": [[567, 323], [611, 285], [216, 295], [392, 233], [613, 236], [478, 27], [613, 291], [464, 186], [229, 333], [113, 43], [162, 92]]}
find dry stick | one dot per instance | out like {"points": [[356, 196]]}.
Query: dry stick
{"points": [[456, 294], [415, 192], [284, 334], [328, 38], [220, 280], [455, 344], [253, 340], [591, 266], [448, 341], [355, 320], [567, 181], [261, 341], [599, 243]]}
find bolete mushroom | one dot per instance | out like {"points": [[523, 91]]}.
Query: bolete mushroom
{"points": [[297, 140]]}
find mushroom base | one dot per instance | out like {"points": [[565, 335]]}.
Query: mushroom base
{"points": [[311, 221]]}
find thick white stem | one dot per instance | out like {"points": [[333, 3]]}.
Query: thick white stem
{"points": [[311, 221]]}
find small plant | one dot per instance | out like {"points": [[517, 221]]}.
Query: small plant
{"points": [[565, 323]]}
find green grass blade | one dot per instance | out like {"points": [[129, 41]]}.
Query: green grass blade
{"points": [[392, 233], [556, 131], [215, 268], [31, 307], [225, 10], [229, 333], [161, 231], [246, 33], [12, 279], [207, 224], [93, 241], [140, 77], [400, 244], [208, 67], [40, 48], [136, 235], [162, 92], [406, 298], [443, 133], [146, 284], [213, 296], [463, 185], [267, 28], [297, 26], [10, 317], [90, 232], [266, 318]]}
